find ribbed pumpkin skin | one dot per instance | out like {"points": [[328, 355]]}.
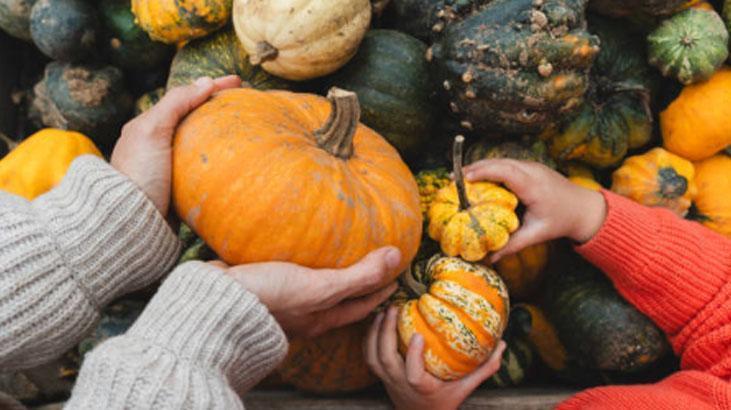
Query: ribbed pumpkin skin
{"points": [[615, 116], [425, 19], [176, 21], [515, 66], [309, 38], [391, 77], [128, 46], [218, 55], [250, 179], [689, 46], [657, 178], [697, 125], [621, 8], [523, 272], [40, 162], [147, 100], [712, 206], [64, 30], [15, 18], [461, 317]]}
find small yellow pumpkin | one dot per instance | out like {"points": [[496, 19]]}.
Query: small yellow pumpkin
{"points": [[523, 271], [178, 21], [583, 177], [471, 219], [40, 162], [697, 125], [657, 178], [461, 310], [712, 204], [301, 39]]}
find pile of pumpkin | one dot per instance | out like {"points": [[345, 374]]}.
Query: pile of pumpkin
{"points": [[272, 171]]}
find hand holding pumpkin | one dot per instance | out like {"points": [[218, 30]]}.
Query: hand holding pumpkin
{"points": [[308, 302], [144, 150], [555, 207]]}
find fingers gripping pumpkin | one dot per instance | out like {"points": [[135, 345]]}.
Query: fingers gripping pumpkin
{"points": [[461, 311], [471, 219]]}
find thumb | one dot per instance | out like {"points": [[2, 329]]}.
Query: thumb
{"points": [[529, 234], [367, 275], [485, 371]]}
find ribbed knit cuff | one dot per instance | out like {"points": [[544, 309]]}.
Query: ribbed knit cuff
{"points": [[111, 235], [204, 316]]}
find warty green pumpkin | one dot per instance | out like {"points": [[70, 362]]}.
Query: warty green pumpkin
{"points": [[64, 30], [690, 45], [15, 18]]}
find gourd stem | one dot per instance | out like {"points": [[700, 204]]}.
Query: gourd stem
{"points": [[457, 148], [264, 52], [336, 135], [8, 142], [414, 286]]}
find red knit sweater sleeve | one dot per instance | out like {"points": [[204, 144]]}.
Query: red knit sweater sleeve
{"points": [[675, 271]]}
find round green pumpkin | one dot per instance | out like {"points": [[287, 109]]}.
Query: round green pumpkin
{"points": [[148, 99], [690, 45], [616, 114], [64, 30], [515, 66], [15, 17], [426, 19], [128, 46], [391, 77], [88, 99]]}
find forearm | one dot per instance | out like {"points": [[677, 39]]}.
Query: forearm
{"points": [[201, 342], [70, 252]]}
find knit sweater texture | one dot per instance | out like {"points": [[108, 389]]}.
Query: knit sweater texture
{"points": [[201, 342], [678, 273]]}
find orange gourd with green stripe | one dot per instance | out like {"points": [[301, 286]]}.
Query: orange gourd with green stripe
{"points": [[176, 21], [461, 311]]}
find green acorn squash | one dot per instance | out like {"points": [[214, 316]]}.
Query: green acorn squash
{"points": [[64, 30], [391, 78], [690, 45], [616, 114], [15, 18], [215, 56], [148, 99], [623, 8], [425, 19], [129, 46], [515, 66]]}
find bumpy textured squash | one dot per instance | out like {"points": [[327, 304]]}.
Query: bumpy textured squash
{"points": [[430, 181], [616, 115], [621, 8], [176, 21], [391, 77], [598, 328], [711, 205], [471, 219], [40, 162], [15, 18], [64, 30], [301, 39], [516, 65], [528, 149], [128, 46], [657, 178], [88, 99], [461, 310], [147, 100], [218, 55], [689, 46], [425, 19], [696, 125], [523, 271]]}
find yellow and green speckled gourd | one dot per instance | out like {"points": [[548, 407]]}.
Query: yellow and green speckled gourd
{"points": [[176, 21]]}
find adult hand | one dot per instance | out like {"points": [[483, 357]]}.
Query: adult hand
{"points": [[555, 207], [407, 383], [144, 150], [308, 302]]}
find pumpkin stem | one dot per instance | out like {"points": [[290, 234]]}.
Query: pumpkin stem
{"points": [[336, 135], [414, 286], [457, 148], [264, 52], [11, 144]]}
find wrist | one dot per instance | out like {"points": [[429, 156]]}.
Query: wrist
{"points": [[591, 216]]}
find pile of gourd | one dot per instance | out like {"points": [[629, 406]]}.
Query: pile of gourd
{"points": [[277, 171]]}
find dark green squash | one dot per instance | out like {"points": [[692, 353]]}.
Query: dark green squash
{"points": [[515, 365], [15, 17], [391, 77], [148, 99], [726, 14], [129, 46], [215, 56], [526, 148], [64, 30], [598, 328], [623, 8], [616, 114], [516, 66], [88, 99], [425, 19], [690, 45]]}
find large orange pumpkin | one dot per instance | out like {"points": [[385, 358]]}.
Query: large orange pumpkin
{"points": [[282, 176]]}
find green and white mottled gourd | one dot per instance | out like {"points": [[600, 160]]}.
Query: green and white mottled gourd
{"points": [[15, 18], [515, 66], [690, 45], [426, 19], [64, 30], [218, 55]]}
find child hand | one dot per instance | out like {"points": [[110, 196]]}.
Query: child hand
{"points": [[144, 150], [555, 207], [408, 384]]}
